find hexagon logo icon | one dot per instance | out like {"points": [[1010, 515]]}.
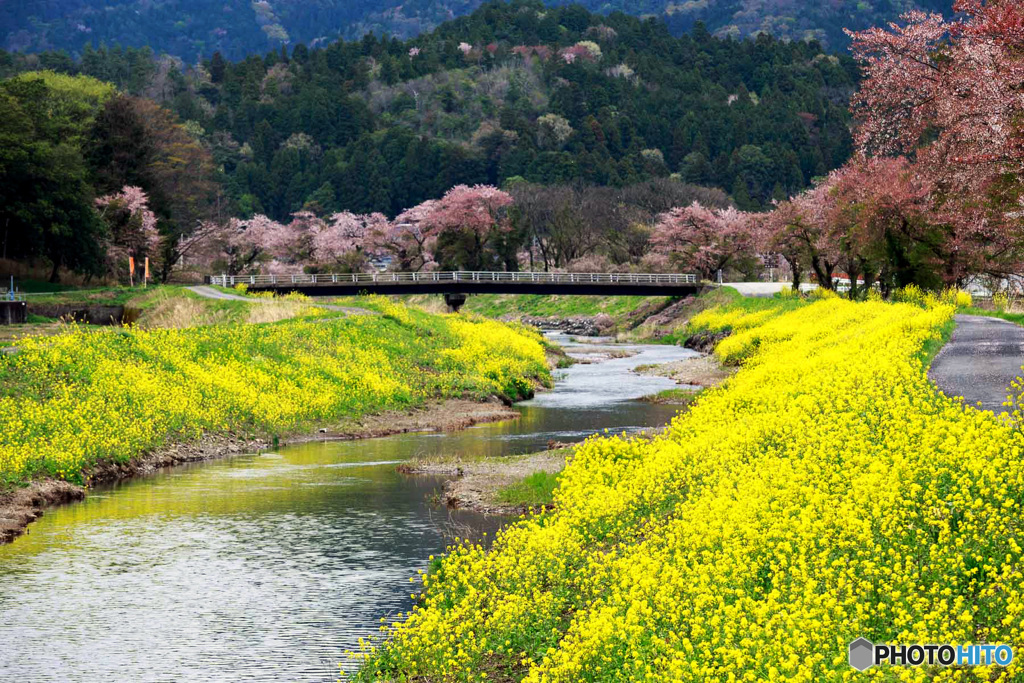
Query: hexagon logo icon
{"points": [[862, 654]]}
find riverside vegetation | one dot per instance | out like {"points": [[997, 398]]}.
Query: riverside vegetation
{"points": [[74, 400], [826, 492]]}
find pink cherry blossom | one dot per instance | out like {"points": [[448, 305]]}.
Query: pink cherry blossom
{"points": [[703, 239]]}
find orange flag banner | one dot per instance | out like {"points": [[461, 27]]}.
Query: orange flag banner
{"points": [[131, 265], [147, 267]]}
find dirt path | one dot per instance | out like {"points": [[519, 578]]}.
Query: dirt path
{"points": [[208, 292], [20, 507], [980, 361]]}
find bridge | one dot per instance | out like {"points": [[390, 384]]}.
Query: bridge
{"points": [[456, 285]]}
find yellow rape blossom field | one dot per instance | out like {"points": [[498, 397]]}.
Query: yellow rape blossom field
{"points": [[73, 400], [824, 493]]}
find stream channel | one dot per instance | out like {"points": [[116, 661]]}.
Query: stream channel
{"points": [[270, 566]]}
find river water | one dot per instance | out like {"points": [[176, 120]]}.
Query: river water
{"points": [[268, 567]]}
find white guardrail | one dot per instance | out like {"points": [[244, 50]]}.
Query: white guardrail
{"points": [[459, 276]]}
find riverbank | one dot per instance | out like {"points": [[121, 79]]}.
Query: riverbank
{"points": [[85, 408], [477, 483], [826, 465], [196, 540], [22, 506], [702, 371], [502, 486]]}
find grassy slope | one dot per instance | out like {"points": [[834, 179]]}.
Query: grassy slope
{"points": [[75, 399], [160, 306], [817, 454], [543, 306]]}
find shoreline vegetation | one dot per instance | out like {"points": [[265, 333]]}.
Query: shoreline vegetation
{"points": [[521, 484], [80, 409], [21, 506], [741, 496]]}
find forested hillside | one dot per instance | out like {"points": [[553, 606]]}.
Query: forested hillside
{"points": [[380, 125], [191, 29]]}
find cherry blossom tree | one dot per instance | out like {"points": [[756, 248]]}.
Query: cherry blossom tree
{"points": [[704, 239], [788, 232], [406, 239], [864, 218], [342, 241], [878, 214], [961, 79], [465, 220], [584, 50], [950, 93], [235, 246], [132, 226]]}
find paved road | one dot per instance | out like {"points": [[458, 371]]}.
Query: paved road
{"points": [[979, 362], [211, 293]]}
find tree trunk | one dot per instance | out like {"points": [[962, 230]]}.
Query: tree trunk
{"points": [[822, 272], [794, 265], [851, 272], [55, 273]]}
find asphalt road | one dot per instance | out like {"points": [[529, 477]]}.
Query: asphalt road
{"points": [[979, 362]]}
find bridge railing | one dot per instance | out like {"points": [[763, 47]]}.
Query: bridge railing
{"points": [[271, 281]]}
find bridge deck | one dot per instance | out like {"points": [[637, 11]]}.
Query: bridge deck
{"points": [[469, 282]]}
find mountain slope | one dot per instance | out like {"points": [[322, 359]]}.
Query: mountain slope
{"points": [[508, 93], [383, 125], [190, 28]]}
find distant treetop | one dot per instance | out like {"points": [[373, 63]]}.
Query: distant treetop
{"points": [[194, 29]]}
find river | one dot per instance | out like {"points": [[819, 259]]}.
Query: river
{"points": [[268, 567]]}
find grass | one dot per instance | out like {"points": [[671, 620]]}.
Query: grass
{"points": [[99, 296], [680, 329], [1016, 318], [536, 490], [681, 397], [932, 346], [545, 306], [162, 306], [39, 286]]}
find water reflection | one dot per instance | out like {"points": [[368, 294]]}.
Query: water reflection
{"points": [[264, 567]]}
